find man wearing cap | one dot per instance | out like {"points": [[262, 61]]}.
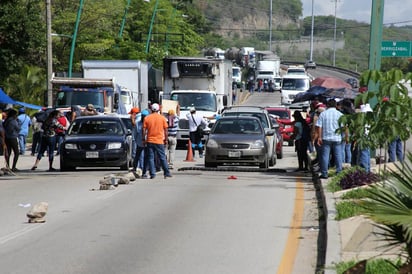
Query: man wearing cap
{"points": [[329, 139], [155, 134], [25, 123], [195, 121], [172, 118], [89, 110], [137, 134]]}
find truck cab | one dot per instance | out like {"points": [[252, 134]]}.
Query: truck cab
{"points": [[292, 84]]}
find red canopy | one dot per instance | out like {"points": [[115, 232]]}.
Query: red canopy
{"points": [[330, 82]]}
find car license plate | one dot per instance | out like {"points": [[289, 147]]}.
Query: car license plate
{"points": [[234, 154], [92, 154]]}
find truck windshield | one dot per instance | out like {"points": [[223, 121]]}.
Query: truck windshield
{"points": [[201, 101], [80, 98], [295, 84]]}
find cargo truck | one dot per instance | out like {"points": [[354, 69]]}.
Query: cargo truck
{"points": [[203, 83], [104, 94], [139, 81]]}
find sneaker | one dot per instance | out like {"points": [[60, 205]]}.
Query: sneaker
{"points": [[14, 169], [323, 177], [200, 155], [144, 176], [52, 169], [168, 176], [152, 177], [34, 168]]}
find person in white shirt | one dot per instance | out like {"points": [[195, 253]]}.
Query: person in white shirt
{"points": [[195, 121]]}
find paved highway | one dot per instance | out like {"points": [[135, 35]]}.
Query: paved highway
{"points": [[196, 222]]}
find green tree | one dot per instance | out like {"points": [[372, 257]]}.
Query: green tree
{"points": [[21, 36], [27, 86]]}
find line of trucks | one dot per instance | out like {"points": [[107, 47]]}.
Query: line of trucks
{"points": [[115, 86]]}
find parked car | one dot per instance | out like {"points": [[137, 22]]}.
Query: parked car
{"points": [[310, 64], [279, 144], [263, 115], [96, 141], [238, 140], [285, 121], [353, 82]]}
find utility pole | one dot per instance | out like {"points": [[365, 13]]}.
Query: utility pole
{"points": [[375, 42], [49, 55]]}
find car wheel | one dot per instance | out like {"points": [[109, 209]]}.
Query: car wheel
{"points": [[272, 160], [210, 164], [65, 167], [280, 154]]}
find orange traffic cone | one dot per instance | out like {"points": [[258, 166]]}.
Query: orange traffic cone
{"points": [[189, 155]]}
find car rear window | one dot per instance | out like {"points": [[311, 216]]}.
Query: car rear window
{"points": [[96, 127], [282, 114], [245, 126], [260, 116]]}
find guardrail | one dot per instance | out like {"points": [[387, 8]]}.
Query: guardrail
{"points": [[342, 70]]}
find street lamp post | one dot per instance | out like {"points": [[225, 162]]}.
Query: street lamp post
{"points": [[334, 36], [124, 19], [76, 27], [311, 34], [270, 26], [151, 26]]}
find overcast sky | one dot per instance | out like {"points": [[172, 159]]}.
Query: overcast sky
{"points": [[396, 11]]}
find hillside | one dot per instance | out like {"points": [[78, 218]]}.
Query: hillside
{"points": [[246, 23]]}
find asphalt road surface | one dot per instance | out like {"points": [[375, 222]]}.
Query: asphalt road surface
{"points": [[196, 222]]}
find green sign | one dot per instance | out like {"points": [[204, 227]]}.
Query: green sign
{"points": [[396, 49]]}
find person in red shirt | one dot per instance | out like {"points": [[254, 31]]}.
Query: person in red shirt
{"points": [[61, 132], [155, 137]]}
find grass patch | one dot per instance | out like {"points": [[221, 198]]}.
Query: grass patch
{"points": [[347, 209], [358, 193], [378, 266]]}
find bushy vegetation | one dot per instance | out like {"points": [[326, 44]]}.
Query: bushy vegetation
{"points": [[378, 266]]}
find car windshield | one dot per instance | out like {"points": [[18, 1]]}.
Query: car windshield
{"points": [[238, 126], [201, 101], [280, 113], [96, 127], [261, 116]]}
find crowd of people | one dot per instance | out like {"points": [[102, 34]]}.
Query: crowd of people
{"points": [[48, 128], [320, 133]]}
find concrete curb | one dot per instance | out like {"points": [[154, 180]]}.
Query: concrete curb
{"points": [[333, 244]]}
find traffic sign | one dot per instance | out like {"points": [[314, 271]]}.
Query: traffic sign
{"points": [[396, 49]]}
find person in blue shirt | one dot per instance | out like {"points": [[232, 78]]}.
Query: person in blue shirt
{"points": [[25, 123]]}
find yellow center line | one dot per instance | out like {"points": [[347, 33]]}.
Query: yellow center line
{"points": [[292, 243]]}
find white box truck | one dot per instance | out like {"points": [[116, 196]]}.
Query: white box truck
{"points": [[203, 83], [139, 81]]}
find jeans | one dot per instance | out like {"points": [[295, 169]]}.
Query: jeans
{"points": [[158, 149], [395, 150], [47, 143], [22, 143], [325, 151], [196, 142], [35, 147], [364, 159], [347, 152]]}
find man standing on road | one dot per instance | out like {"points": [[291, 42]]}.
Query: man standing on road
{"points": [[25, 123], [328, 138], [173, 123], [195, 121], [155, 132]]}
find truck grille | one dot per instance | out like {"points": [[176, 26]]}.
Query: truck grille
{"points": [[183, 124]]}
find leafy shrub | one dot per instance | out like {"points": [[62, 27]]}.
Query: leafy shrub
{"points": [[358, 177], [347, 209]]}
